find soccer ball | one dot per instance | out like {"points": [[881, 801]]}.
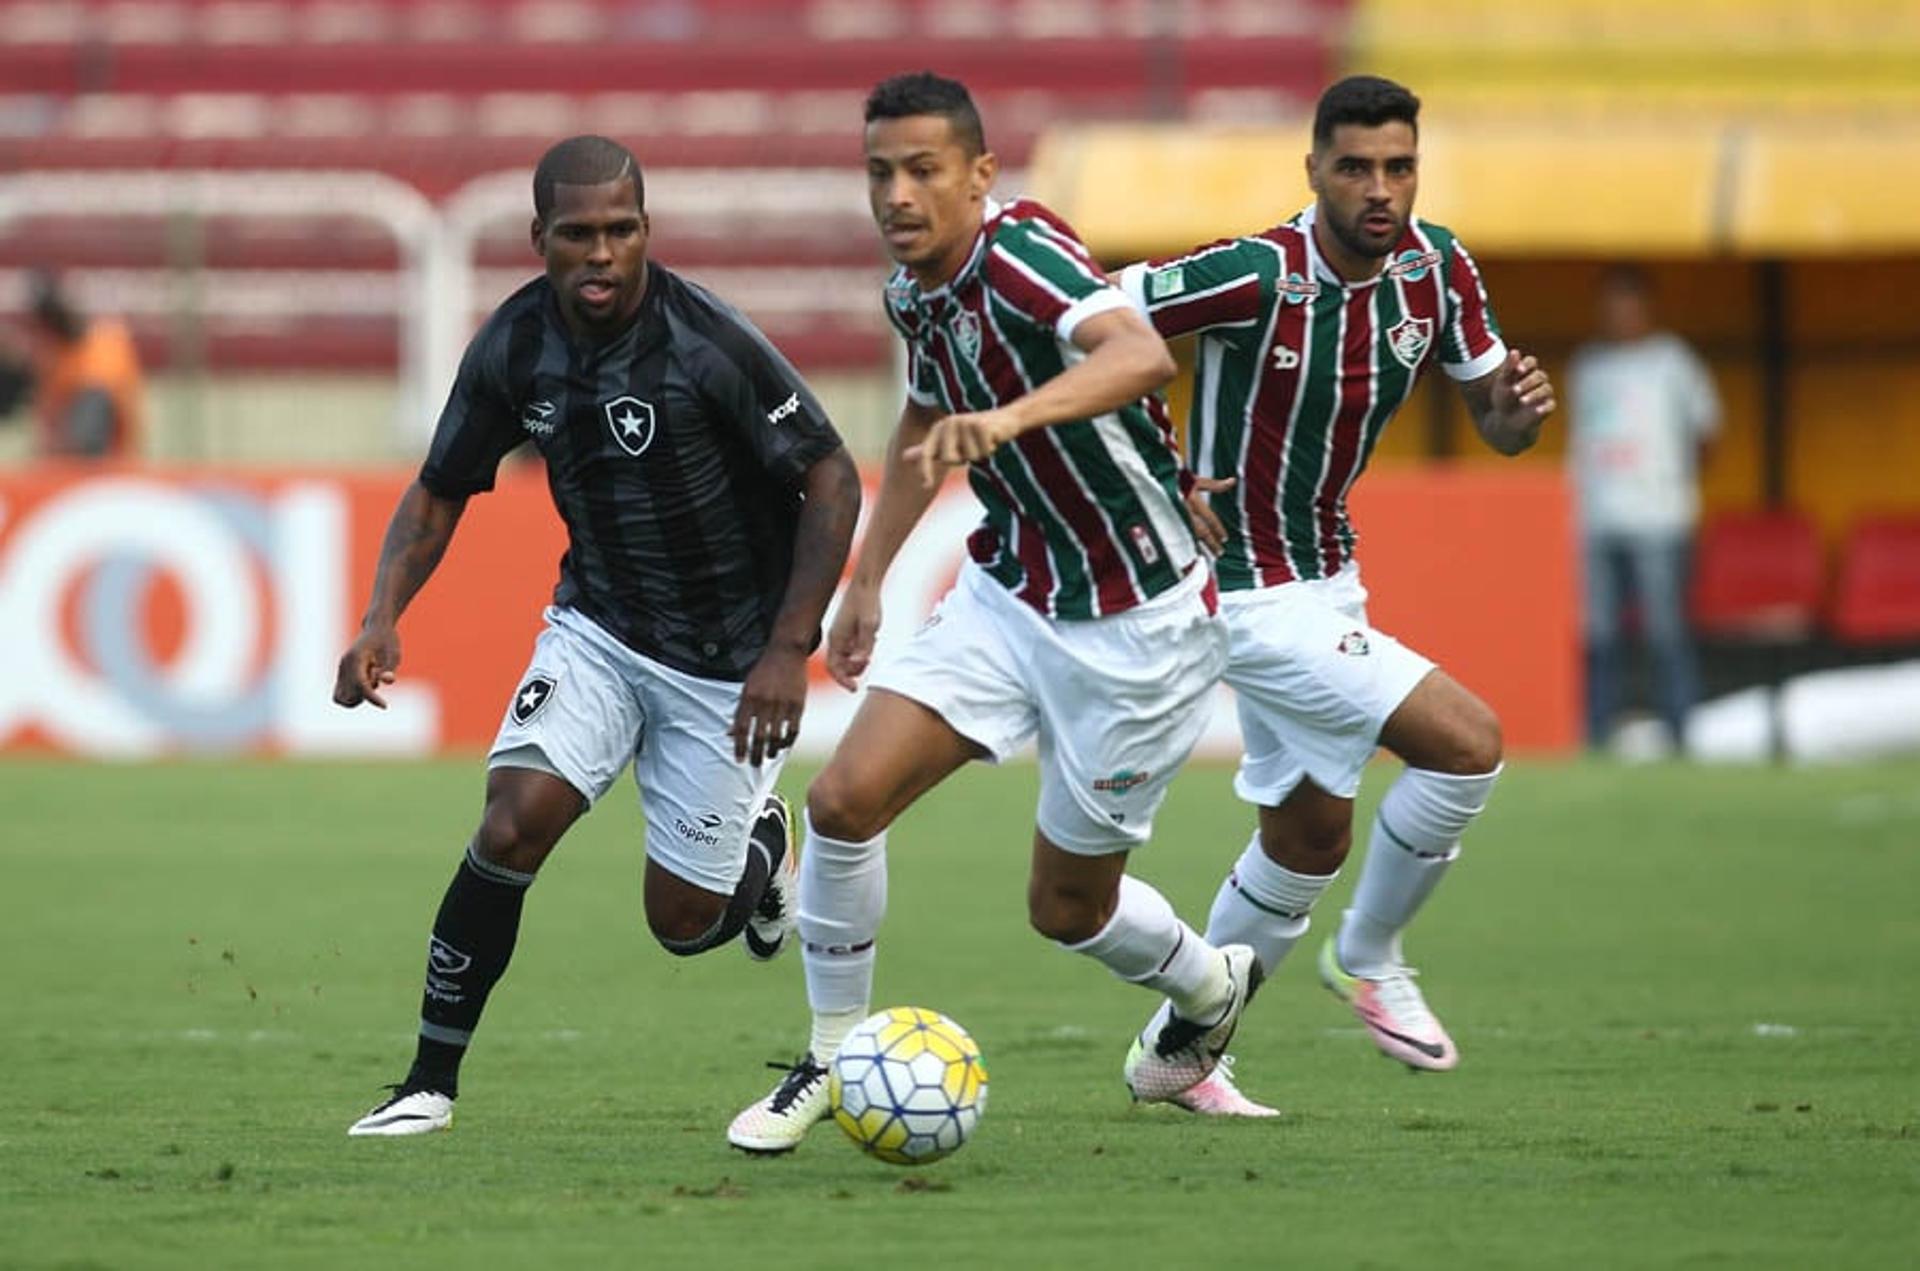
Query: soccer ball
{"points": [[908, 1086]]}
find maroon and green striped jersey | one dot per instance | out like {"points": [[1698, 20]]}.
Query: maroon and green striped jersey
{"points": [[1298, 371], [1084, 518]]}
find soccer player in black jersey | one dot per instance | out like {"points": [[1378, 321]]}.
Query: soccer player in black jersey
{"points": [[709, 505]]}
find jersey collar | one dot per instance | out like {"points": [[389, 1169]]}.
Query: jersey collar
{"points": [[1321, 269], [990, 213]]}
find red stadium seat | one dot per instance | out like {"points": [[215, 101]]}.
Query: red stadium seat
{"points": [[1877, 597], [1757, 575]]}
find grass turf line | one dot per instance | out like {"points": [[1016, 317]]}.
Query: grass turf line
{"points": [[1683, 999]]}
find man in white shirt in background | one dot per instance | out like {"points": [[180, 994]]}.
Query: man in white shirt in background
{"points": [[1644, 407]]}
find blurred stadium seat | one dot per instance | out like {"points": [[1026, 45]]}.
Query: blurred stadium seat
{"points": [[1758, 576], [1876, 597]]}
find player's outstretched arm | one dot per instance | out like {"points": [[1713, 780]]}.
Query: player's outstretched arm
{"points": [[1510, 403], [417, 537], [771, 701], [1126, 360], [904, 498]]}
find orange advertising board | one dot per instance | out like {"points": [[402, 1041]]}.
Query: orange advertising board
{"points": [[1475, 566], [162, 612]]}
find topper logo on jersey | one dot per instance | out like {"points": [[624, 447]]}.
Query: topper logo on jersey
{"points": [[257, 583], [631, 422], [537, 418], [1409, 340]]}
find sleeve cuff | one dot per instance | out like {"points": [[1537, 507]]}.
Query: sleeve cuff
{"points": [[795, 462], [1133, 283], [441, 488], [1482, 365], [1102, 301]]}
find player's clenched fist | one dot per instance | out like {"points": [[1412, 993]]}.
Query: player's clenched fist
{"points": [[956, 440]]}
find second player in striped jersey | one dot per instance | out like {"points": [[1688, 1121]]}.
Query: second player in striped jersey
{"points": [[1300, 369], [1311, 336], [1085, 620]]}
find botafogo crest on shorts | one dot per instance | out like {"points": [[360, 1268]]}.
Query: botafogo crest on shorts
{"points": [[531, 698]]}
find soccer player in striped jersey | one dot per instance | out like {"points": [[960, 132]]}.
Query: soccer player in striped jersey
{"points": [[1086, 618], [1311, 335]]}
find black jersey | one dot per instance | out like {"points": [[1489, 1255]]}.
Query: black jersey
{"points": [[674, 454]]}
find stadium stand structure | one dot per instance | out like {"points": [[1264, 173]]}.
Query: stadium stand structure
{"points": [[1648, 58], [744, 111]]}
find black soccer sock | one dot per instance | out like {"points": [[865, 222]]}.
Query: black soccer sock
{"points": [[767, 847], [740, 907], [473, 938]]}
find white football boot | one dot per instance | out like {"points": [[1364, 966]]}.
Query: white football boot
{"points": [[1182, 1053], [1218, 1096], [1394, 1010], [778, 1122], [408, 1112]]}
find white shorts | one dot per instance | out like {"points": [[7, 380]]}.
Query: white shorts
{"points": [[1116, 703], [588, 706], [1314, 682]]}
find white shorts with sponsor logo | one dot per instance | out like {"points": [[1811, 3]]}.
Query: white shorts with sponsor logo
{"points": [[588, 706], [1116, 703], [1314, 682]]}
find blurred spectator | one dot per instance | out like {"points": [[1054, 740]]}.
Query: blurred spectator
{"points": [[84, 376], [1643, 409]]}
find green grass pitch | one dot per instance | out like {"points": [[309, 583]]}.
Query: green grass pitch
{"points": [[1685, 1000]]}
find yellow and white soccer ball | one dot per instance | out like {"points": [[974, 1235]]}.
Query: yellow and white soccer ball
{"points": [[908, 1086]]}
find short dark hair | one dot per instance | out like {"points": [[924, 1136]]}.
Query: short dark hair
{"points": [[924, 93], [585, 160], [1366, 100]]}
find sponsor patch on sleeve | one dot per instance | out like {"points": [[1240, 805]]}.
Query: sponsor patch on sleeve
{"points": [[1162, 283]]}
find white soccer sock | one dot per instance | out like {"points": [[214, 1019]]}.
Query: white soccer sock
{"points": [[1145, 943], [1264, 904], [843, 896], [830, 1028], [1416, 836]]}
